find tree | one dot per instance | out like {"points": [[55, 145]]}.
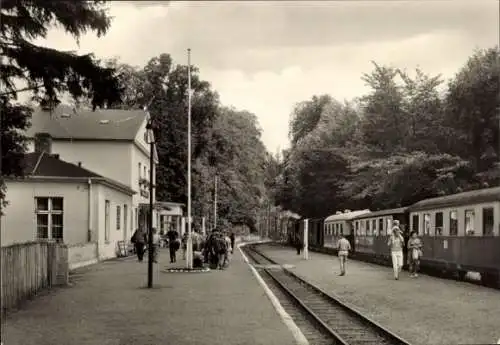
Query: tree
{"points": [[305, 117], [236, 151], [47, 72], [472, 109]]}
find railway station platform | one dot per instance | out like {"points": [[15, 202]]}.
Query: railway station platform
{"points": [[108, 304], [424, 310]]}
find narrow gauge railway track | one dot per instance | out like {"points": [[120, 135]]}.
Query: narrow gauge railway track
{"points": [[335, 320]]}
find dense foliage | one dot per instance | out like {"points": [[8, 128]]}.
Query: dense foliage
{"points": [[225, 142], [404, 141], [46, 72]]}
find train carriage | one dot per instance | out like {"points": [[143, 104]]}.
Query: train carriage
{"points": [[461, 232], [340, 224], [315, 232], [371, 231]]}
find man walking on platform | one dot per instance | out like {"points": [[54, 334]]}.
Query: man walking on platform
{"points": [[396, 243], [139, 239], [233, 239], [343, 248], [173, 244]]}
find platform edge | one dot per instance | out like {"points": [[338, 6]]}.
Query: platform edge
{"points": [[299, 337]]}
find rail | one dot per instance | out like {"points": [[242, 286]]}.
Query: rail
{"points": [[343, 323]]}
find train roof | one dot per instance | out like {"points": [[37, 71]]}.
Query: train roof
{"points": [[470, 197], [346, 215], [399, 210]]}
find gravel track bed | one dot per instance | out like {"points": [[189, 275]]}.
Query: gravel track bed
{"points": [[424, 311]]}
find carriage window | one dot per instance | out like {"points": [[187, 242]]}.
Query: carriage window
{"points": [[374, 227], [341, 229], [427, 224], [367, 226], [381, 226], [363, 230], [453, 223], [438, 221], [488, 221], [414, 225], [469, 222], [356, 227]]}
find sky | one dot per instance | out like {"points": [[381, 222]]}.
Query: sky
{"points": [[265, 56]]}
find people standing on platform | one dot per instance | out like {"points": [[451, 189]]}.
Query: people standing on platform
{"points": [[343, 248], [139, 239], [298, 245], [396, 243], [173, 244], [414, 253], [156, 245], [233, 240], [210, 251], [184, 245], [227, 251]]}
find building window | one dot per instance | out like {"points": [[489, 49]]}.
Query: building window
{"points": [[136, 223], [453, 223], [438, 223], [49, 218], [469, 222], [488, 221], [140, 170], [118, 217], [125, 219], [106, 220], [145, 172]]}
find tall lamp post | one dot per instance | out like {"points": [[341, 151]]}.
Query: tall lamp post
{"points": [[151, 142], [189, 256]]}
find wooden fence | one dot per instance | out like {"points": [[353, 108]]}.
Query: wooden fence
{"points": [[28, 268]]}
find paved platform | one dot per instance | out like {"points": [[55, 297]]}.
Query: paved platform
{"points": [[108, 305], [423, 310]]}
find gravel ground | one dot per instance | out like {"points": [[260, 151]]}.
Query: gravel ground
{"points": [[425, 310], [108, 305]]}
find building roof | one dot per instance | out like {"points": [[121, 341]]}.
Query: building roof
{"points": [[41, 165], [45, 165], [348, 215], [64, 122], [460, 199], [381, 213]]}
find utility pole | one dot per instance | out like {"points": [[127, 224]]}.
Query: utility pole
{"points": [[215, 200], [189, 254]]}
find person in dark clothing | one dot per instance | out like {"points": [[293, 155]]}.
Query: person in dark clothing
{"points": [[173, 244], [233, 239], [298, 246], [213, 254], [139, 240]]}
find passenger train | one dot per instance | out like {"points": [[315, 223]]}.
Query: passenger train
{"points": [[460, 233]]}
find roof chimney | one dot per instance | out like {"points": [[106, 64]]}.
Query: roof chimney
{"points": [[80, 164], [43, 143]]}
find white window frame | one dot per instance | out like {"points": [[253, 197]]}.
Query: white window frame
{"points": [[118, 217], [107, 225], [49, 212]]}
